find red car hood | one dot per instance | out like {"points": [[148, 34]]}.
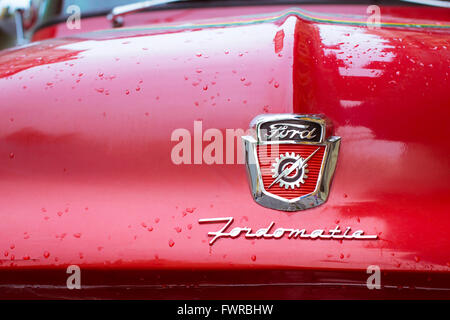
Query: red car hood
{"points": [[86, 175]]}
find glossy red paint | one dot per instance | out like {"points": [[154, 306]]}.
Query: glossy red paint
{"points": [[86, 176]]}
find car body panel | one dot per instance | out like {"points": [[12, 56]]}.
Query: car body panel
{"points": [[86, 176]]}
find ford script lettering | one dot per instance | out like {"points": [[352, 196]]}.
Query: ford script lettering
{"points": [[291, 131], [297, 130]]}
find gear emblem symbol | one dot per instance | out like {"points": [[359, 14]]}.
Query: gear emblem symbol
{"points": [[296, 177]]}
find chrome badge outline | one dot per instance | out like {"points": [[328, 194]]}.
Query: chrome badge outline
{"points": [[331, 144]]}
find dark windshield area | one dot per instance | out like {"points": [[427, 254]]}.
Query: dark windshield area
{"points": [[96, 5], [107, 5]]}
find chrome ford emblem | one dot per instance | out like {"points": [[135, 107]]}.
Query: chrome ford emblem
{"points": [[290, 160]]}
